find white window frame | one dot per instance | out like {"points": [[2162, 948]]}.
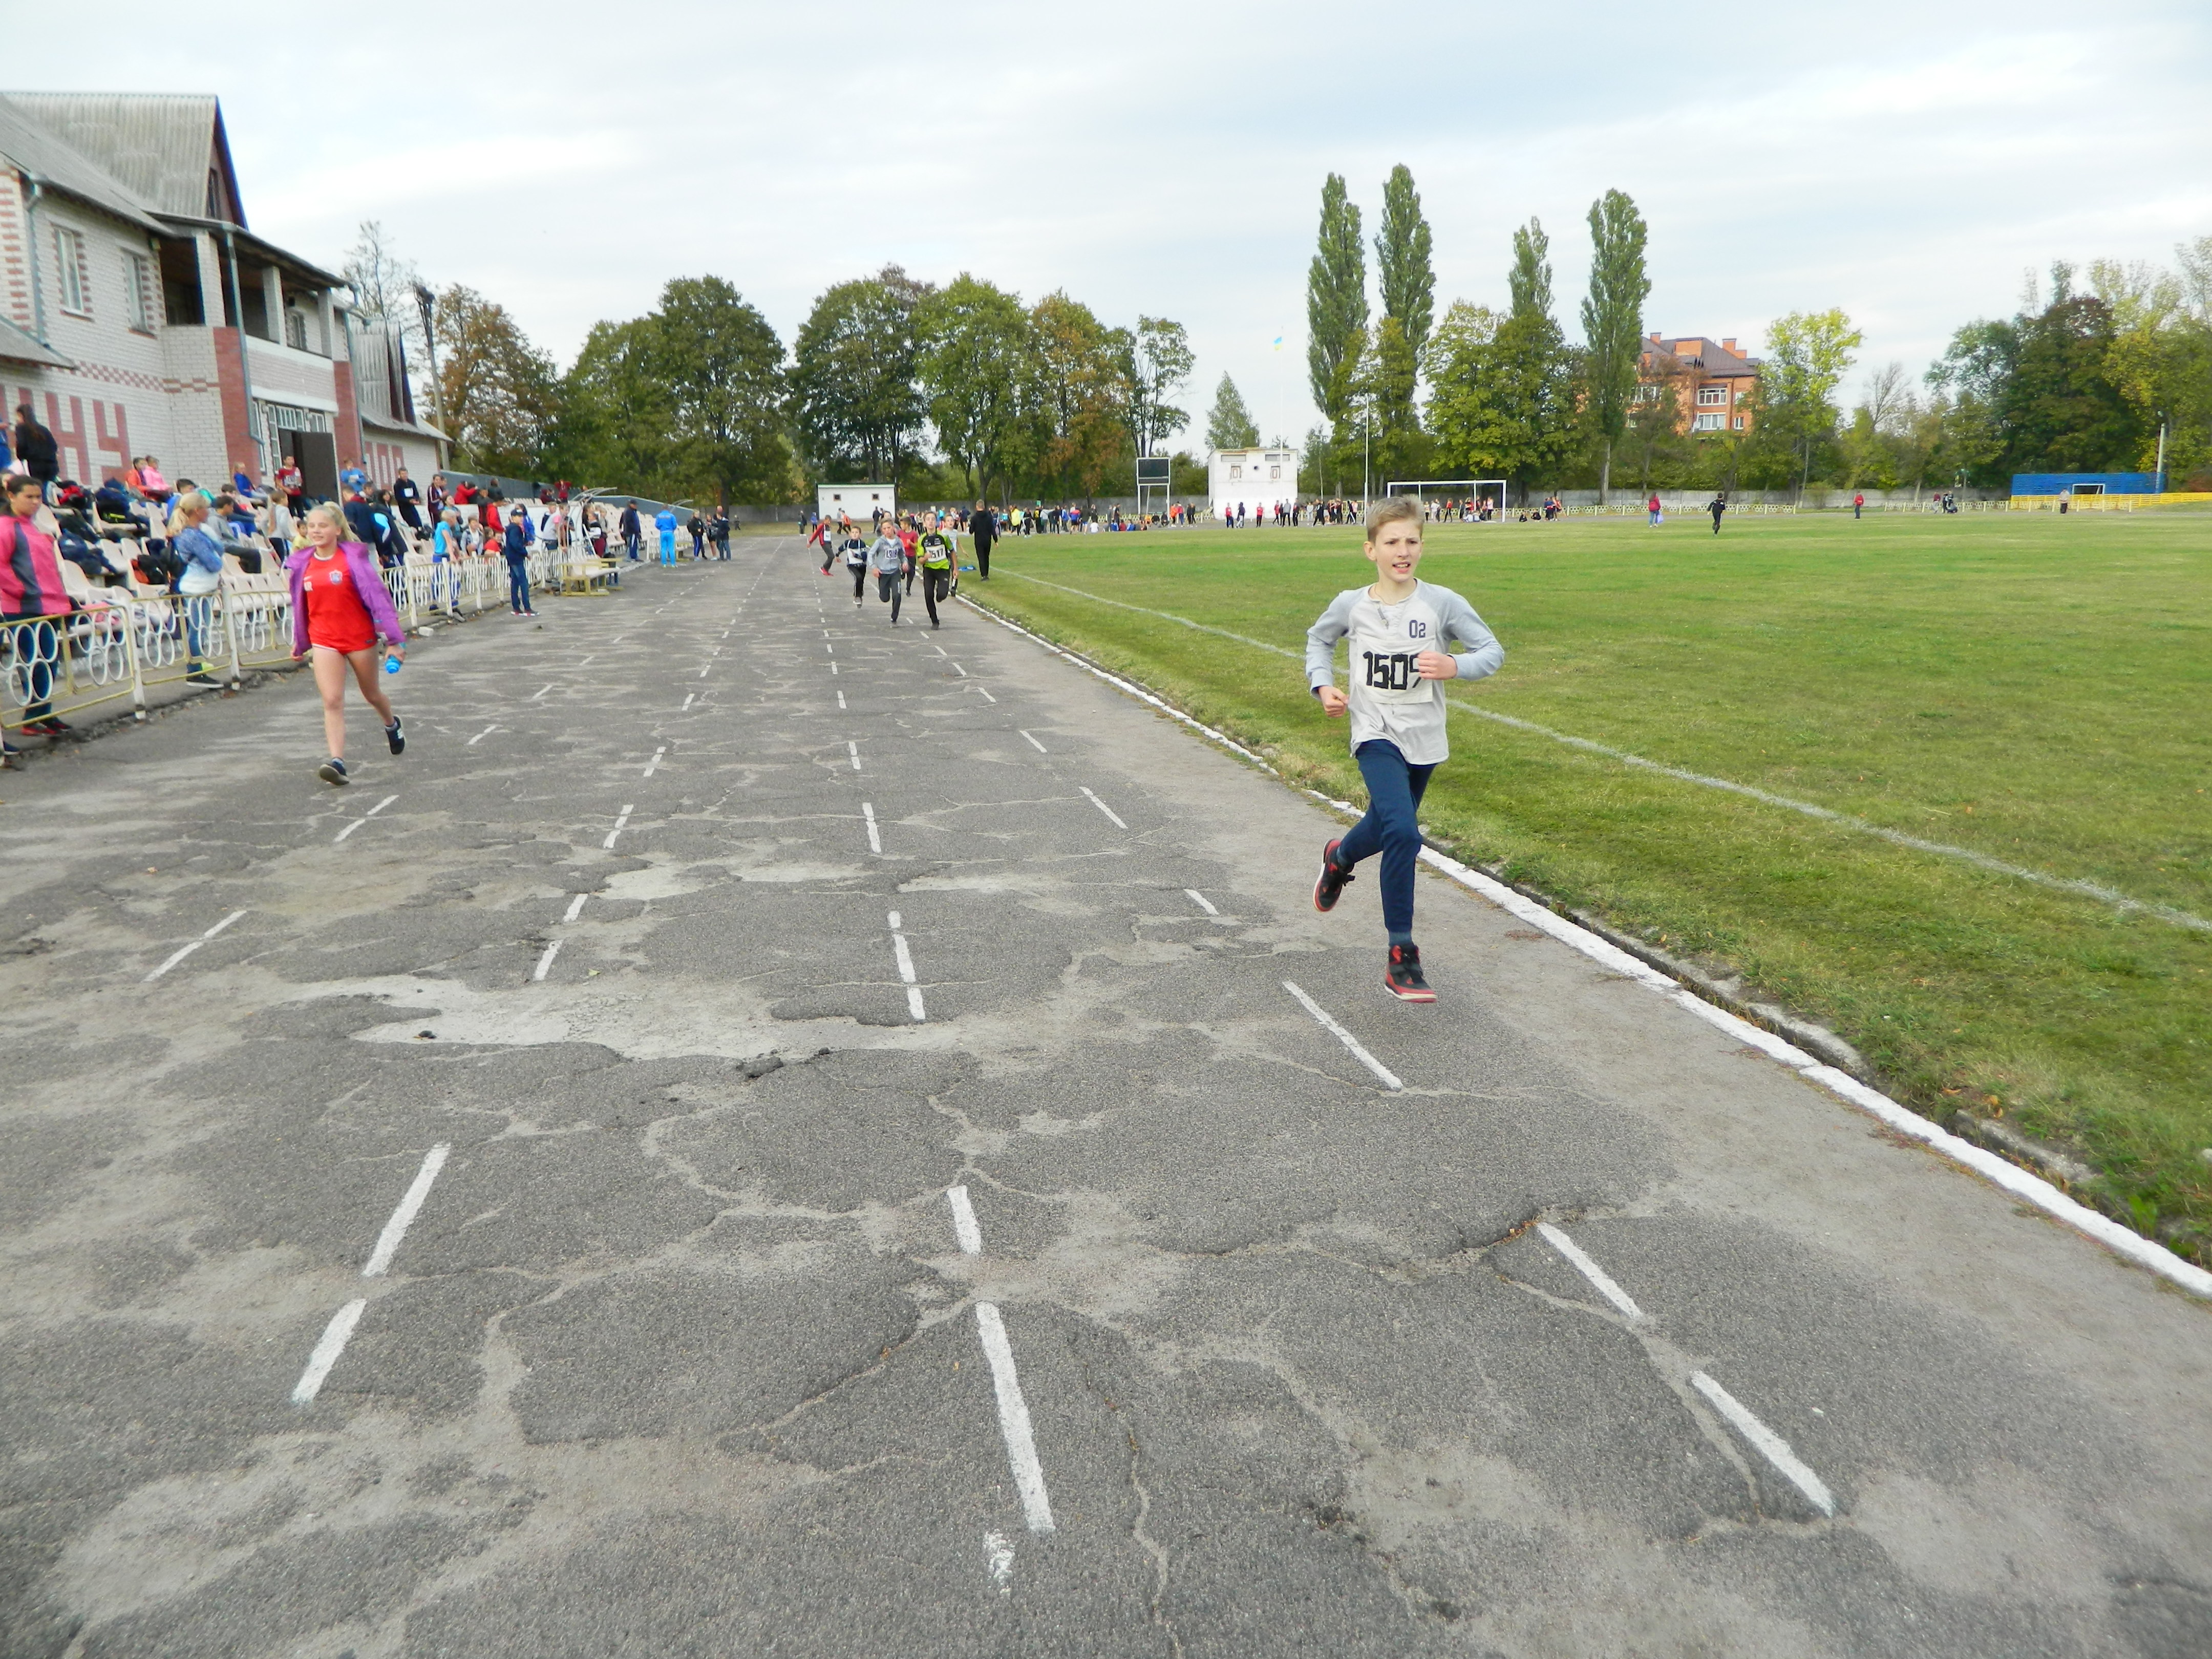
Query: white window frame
{"points": [[1712, 421], [139, 291], [1742, 422], [1712, 396], [73, 265]]}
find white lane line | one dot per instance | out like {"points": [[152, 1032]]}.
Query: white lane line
{"points": [[179, 955], [833, 667], [655, 760], [387, 1241], [988, 697], [875, 841], [1589, 1269], [380, 806], [998, 1556], [619, 823], [575, 906], [348, 830], [906, 971], [704, 669], [830, 649], [334, 1337], [958, 670], [853, 750], [1035, 744], [688, 695], [1389, 1078], [1014, 1419], [964, 1221], [480, 737], [540, 692], [546, 961], [585, 663], [841, 699], [1104, 807], [1200, 900], [1771, 1446]]}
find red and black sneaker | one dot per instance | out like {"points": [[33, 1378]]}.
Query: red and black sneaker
{"points": [[1328, 886], [1404, 979]]}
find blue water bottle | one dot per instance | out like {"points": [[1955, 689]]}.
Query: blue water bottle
{"points": [[391, 665]]}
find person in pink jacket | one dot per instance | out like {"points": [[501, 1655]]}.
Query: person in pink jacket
{"points": [[340, 611]]}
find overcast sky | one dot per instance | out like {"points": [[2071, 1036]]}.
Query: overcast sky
{"points": [[1907, 162]]}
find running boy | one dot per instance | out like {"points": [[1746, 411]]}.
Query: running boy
{"points": [[1397, 626]]}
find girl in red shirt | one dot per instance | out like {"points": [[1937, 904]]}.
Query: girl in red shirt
{"points": [[339, 608]]}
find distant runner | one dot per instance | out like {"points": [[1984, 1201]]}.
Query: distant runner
{"points": [[1397, 626], [887, 558], [855, 552], [934, 553]]}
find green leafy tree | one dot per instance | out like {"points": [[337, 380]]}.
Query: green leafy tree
{"points": [[722, 366], [976, 351], [1504, 407], [616, 414], [855, 395], [1230, 425], [1080, 398], [1336, 302], [1613, 321], [1402, 261], [1155, 361], [1807, 354], [499, 393]]}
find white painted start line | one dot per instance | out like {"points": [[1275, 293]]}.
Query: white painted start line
{"points": [[841, 699], [1200, 900], [363, 818], [986, 695], [540, 691], [853, 750], [704, 668], [1104, 807], [688, 695], [620, 822], [179, 955], [906, 971], [1035, 744], [875, 840], [480, 737], [1013, 1410], [958, 670], [1383, 1074], [340, 1330], [545, 961], [655, 760], [575, 906]]}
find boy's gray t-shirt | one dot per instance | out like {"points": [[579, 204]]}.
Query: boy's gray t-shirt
{"points": [[1389, 698], [888, 556]]}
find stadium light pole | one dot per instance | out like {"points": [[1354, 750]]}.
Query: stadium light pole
{"points": [[2161, 454], [426, 302]]}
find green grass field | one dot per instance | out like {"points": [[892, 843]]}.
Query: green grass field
{"points": [[2034, 688]]}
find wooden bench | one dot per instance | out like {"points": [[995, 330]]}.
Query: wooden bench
{"points": [[585, 577]]}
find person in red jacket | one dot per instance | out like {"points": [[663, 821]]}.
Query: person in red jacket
{"points": [[30, 590], [339, 610]]}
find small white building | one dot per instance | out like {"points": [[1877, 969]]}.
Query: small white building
{"points": [[1254, 479], [860, 502]]}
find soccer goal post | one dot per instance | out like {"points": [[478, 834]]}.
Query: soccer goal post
{"points": [[1476, 493]]}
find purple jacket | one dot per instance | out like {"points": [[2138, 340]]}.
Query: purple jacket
{"points": [[367, 581]]}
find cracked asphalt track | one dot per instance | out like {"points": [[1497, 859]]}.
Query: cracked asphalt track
{"points": [[680, 1355]]}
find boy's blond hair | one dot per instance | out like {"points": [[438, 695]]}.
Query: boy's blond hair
{"points": [[1390, 512]]}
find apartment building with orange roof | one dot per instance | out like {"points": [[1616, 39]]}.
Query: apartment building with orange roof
{"points": [[1713, 382]]}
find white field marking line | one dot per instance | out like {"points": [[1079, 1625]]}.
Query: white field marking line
{"points": [[841, 699], [704, 670], [621, 820], [586, 662], [970, 1236], [575, 906], [655, 760], [958, 670], [1200, 900], [2000, 1172], [1389, 1077], [998, 1557], [1035, 744], [826, 646], [334, 1339], [539, 692], [987, 697], [853, 750], [2096, 891], [1104, 807], [380, 806], [875, 841], [833, 667], [1014, 1419], [480, 737], [348, 830], [546, 961], [183, 951], [1589, 1269], [906, 971], [387, 1241], [688, 695], [1771, 1446]]}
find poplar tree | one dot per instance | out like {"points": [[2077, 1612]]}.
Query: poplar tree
{"points": [[1401, 260], [1613, 321], [1336, 301]]}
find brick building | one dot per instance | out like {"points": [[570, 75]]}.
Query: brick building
{"points": [[1713, 382], [138, 315]]}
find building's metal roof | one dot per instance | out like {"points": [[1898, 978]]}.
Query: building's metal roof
{"points": [[18, 347], [161, 146], [32, 145]]}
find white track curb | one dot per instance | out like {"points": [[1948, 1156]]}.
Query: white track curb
{"points": [[2002, 1172]]}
